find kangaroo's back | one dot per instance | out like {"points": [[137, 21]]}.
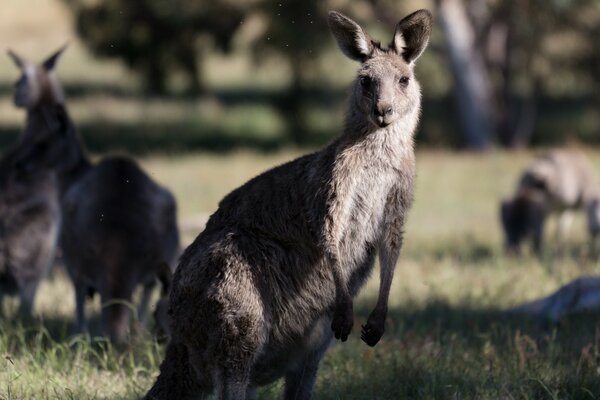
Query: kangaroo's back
{"points": [[566, 177], [116, 199]]}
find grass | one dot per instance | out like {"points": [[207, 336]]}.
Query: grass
{"points": [[446, 334]]}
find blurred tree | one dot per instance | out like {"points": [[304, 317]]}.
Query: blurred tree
{"points": [[298, 31], [159, 37], [529, 49]]}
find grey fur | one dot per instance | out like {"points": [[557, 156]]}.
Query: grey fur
{"points": [[555, 183], [29, 192], [262, 290]]}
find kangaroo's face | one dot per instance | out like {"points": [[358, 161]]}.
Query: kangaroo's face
{"points": [[520, 216], [37, 83], [385, 88]]}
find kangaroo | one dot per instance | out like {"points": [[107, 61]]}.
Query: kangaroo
{"points": [[30, 193], [118, 225], [555, 183], [579, 295], [262, 290]]}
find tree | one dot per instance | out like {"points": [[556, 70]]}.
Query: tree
{"points": [[296, 30], [519, 49], [158, 37]]}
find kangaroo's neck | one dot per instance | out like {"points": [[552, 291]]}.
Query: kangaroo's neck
{"points": [[55, 117]]}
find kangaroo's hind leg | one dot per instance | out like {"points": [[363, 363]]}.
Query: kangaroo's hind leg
{"points": [[299, 382], [178, 378]]}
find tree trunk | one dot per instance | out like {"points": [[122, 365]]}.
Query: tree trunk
{"points": [[471, 83]]}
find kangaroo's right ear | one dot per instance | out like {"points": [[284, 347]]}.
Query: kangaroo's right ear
{"points": [[412, 35], [19, 62], [352, 40], [50, 62]]}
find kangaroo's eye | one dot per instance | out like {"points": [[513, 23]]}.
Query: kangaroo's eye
{"points": [[403, 81], [365, 81]]}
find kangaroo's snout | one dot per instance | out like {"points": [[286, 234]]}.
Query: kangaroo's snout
{"points": [[383, 113]]}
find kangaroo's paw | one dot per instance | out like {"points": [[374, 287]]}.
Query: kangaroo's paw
{"points": [[342, 321], [373, 330]]}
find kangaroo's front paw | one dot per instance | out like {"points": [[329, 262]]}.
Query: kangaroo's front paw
{"points": [[342, 321], [373, 329]]}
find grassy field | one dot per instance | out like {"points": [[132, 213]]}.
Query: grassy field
{"points": [[446, 335]]}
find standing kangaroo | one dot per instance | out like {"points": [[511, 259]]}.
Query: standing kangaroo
{"points": [[118, 225], [29, 192], [261, 291]]}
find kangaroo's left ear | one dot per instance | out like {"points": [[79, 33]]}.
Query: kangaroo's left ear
{"points": [[50, 62], [19, 62], [412, 35]]}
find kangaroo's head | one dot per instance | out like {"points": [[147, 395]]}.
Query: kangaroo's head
{"points": [[37, 84], [521, 216], [385, 88]]}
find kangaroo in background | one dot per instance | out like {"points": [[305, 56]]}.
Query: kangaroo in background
{"points": [[558, 182], [263, 289], [29, 192], [118, 226]]}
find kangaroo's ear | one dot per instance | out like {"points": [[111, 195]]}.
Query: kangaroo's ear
{"points": [[352, 40], [50, 62], [412, 35], [19, 62]]}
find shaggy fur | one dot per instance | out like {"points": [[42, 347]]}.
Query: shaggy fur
{"points": [[556, 183], [263, 289]]}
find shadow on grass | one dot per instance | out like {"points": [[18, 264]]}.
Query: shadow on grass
{"points": [[442, 351]]}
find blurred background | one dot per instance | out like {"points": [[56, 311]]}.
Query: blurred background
{"points": [[181, 75], [207, 94]]}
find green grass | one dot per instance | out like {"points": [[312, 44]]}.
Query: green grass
{"points": [[446, 335]]}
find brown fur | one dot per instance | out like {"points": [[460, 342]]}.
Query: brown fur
{"points": [[261, 291]]}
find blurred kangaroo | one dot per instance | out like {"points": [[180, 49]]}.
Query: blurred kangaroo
{"points": [[579, 295], [29, 192], [263, 289], [555, 183], [118, 225]]}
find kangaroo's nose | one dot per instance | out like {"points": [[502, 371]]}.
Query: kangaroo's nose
{"points": [[383, 110]]}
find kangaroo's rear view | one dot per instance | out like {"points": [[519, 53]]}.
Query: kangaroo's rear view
{"points": [[262, 290]]}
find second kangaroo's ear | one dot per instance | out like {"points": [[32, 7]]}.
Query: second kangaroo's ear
{"points": [[19, 62], [412, 35], [352, 40], [50, 62]]}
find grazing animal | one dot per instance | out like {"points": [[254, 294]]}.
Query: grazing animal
{"points": [[118, 225], [555, 183], [30, 193], [579, 295], [263, 289]]}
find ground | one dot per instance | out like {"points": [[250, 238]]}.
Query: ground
{"points": [[446, 335]]}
